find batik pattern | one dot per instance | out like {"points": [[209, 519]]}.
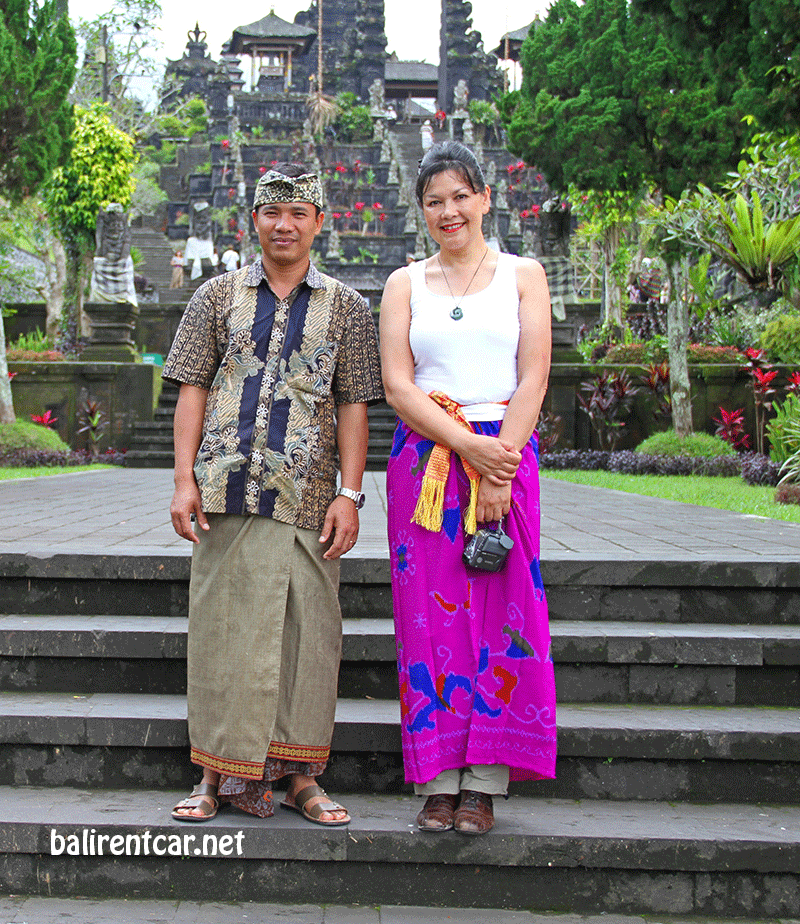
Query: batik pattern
{"points": [[275, 369], [473, 649]]}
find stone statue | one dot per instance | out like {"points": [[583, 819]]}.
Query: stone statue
{"points": [[502, 199], [469, 136], [377, 101], [112, 272], [460, 97], [386, 151], [394, 174], [334, 251], [554, 228], [514, 223], [491, 173]]}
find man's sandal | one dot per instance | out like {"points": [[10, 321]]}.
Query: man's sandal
{"points": [[204, 797], [313, 814]]}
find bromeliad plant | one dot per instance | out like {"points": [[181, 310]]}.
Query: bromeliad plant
{"points": [[94, 423], [608, 398], [656, 380]]}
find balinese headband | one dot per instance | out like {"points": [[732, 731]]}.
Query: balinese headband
{"points": [[275, 187]]}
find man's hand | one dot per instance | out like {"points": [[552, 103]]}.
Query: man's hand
{"points": [[185, 502], [341, 520]]}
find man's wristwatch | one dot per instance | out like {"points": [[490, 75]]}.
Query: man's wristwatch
{"points": [[355, 496]]}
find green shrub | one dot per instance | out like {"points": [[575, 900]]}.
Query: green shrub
{"points": [[781, 339], [782, 439], [353, 122], [25, 435], [701, 354], [669, 443], [34, 342]]}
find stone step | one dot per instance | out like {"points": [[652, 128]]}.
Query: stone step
{"points": [[740, 592], [543, 855], [645, 663], [44, 909], [697, 754]]}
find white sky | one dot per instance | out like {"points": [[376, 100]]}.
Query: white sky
{"points": [[412, 26]]}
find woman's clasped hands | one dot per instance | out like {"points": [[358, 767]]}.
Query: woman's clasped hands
{"points": [[496, 460]]}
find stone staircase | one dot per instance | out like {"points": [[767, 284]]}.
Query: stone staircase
{"points": [[151, 446], [156, 252], [679, 748]]}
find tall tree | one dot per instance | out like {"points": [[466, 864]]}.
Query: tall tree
{"points": [[99, 171], [37, 66], [613, 104]]}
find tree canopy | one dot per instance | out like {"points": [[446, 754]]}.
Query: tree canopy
{"points": [[611, 103], [97, 172], [37, 67]]}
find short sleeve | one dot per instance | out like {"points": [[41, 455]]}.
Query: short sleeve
{"points": [[358, 366], [194, 357]]}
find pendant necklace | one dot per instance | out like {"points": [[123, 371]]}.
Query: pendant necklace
{"points": [[457, 314]]}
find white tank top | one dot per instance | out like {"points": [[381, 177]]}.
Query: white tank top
{"points": [[474, 360]]}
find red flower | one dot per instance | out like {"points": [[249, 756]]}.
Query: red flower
{"points": [[232, 224], [11, 375], [272, 163], [510, 169], [520, 165], [231, 193], [536, 209], [377, 206], [225, 144], [262, 169], [239, 235], [359, 206], [46, 419], [764, 378], [539, 178], [524, 213], [337, 214], [382, 217], [357, 166], [348, 214], [753, 353], [340, 167]]}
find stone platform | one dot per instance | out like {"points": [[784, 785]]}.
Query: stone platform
{"points": [[676, 637]]}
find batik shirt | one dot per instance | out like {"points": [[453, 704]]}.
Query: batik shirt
{"points": [[275, 370]]}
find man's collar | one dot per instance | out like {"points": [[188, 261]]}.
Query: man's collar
{"points": [[255, 274]]}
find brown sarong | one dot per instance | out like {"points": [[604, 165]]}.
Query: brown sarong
{"points": [[265, 637]]}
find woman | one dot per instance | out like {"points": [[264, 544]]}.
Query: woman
{"points": [[466, 334]]}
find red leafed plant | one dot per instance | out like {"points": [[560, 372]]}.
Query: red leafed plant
{"points": [[730, 426], [46, 419], [762, 374]]}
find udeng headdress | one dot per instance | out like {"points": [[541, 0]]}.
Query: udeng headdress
{"points": [[276, 187]]}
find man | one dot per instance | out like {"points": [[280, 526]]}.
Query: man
{"points": [[276, 364]]}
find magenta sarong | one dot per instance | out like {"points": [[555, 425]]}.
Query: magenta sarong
{"points": [[473, 648]]}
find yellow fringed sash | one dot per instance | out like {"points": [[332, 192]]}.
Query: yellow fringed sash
{"points": [[429, 511]]}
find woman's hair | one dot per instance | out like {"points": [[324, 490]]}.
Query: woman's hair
{"points": [[450, 155]]}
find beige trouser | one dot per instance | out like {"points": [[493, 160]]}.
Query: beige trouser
{"points": [[491, 779]]}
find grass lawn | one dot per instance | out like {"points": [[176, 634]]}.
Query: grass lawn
{"points": [[8, 474], [723, 493]]}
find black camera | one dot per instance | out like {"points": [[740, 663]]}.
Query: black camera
{"points": [[488, 549]]}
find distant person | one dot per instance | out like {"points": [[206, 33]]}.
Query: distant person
{"points": [[440, 117], [230, 260], [177, 271], [465, 345]]}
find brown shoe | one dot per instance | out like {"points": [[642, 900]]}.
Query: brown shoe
{"points": [[474, 814], [437, 813]]}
